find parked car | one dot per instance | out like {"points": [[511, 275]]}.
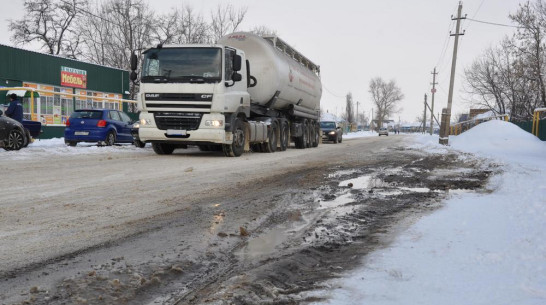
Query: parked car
{"points": [[13, 135], [331, 131], [383, 131], [104, 126]]}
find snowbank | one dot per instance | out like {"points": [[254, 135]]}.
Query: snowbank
{"points": [[480, 248]]}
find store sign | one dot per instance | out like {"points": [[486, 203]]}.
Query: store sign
{"points": [[71, 77]]}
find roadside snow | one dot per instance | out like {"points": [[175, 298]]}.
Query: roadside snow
{"points": [[479, 248], [56, 146]]}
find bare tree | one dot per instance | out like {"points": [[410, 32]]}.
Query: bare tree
{"points": [[531, 18], [262, 30], [226, 19], [385, 97], [349, 115], [48, 23]]}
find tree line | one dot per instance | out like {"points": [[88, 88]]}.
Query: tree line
{"points": [[107, 32], [509, 78]]}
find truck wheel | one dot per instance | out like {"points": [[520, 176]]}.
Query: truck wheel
{"points": [[203, 147], [237, 147], [271, 145], [284, 136], [301, 142], [163, 148], [316, 138], [309, 128]]}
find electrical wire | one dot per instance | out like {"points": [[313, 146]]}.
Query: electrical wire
{"points": [[494, 23], [327, 90]]}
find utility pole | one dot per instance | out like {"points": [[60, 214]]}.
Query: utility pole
{"points": [[425, 116], [446, 116], [357, 102], [433, 91], [372, 120]]}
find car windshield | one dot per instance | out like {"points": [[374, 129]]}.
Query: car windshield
{"points": [[87, 114], [327, 125], [182, 65]]}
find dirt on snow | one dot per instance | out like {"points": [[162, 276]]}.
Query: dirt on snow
{"points": [[132, 227]]}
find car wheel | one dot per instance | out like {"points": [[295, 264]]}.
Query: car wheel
{"points": [[16, 140], [110, 138], [71, 143], [28, 137]]}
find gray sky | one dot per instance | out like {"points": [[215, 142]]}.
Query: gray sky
{"points": [[356, 40]]}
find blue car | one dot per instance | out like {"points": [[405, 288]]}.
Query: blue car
{"points": [[104, 126]]}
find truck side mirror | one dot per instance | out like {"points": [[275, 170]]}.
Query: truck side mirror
{"points": [[134, 61], [133, 76], [236, 77], [237, 64]]}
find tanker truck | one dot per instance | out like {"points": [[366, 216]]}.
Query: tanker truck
{"points": [[247, 92]]}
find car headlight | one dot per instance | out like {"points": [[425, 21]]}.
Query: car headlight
{"points": [[136, 125], [332, 133], [144, 122], [214, 123]]}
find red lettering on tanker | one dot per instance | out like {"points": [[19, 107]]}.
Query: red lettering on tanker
{"points": [[237, 36]]}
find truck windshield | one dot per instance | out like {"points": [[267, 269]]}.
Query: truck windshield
{"points": [[197, 65]]}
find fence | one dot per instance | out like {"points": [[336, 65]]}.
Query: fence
{"points": [[458, 128]]}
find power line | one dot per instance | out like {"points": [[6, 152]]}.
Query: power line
{"points": [[494, 23], [323, 86]]}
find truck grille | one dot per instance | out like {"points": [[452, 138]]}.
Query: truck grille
{"points": [[177, 101], [177, 120]]}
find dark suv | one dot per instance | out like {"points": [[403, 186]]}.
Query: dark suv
{"points": [[331, 131]]}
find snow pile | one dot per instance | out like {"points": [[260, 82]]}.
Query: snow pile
{"points": [[359, 134], [500, 139], [487, 248]]}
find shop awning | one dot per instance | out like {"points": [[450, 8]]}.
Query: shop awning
{"points": [[23, 93]]}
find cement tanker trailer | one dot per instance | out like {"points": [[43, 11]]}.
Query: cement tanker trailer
{"points": [[245, 93]]}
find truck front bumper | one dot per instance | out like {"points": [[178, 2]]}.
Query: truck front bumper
{"points": [[151, 134]]}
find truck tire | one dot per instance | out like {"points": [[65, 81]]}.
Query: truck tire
{"points": [[310, 134], [271, 145], [237, 147], [163, 148], [284, 136], [301, 142], [316, 137]]}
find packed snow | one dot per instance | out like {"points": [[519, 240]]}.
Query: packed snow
{"points": [[480, 248]]}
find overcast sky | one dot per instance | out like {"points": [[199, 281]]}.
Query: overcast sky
{"points": [[356, 40]]}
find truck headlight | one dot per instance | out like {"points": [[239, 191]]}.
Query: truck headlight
{"points": [[214, 123], [144, 122]]}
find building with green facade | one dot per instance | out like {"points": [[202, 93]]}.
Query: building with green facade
{"points": [[61, 85]]}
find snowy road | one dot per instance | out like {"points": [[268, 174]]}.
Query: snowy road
{"points": [[104, 224]]}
